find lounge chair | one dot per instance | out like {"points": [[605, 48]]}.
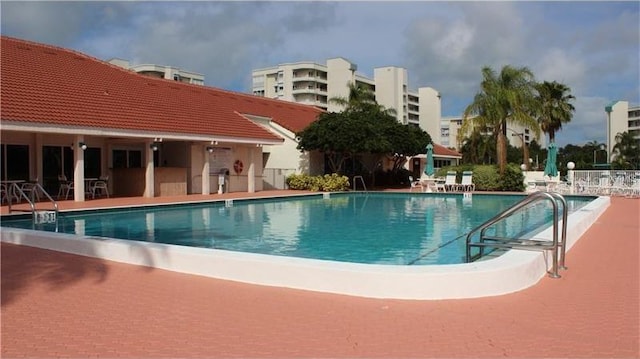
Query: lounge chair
{"points": [[450, 183], [414, 184], [466, 185]]}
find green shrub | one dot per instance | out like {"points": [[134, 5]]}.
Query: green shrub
{"points": [[327, 183], [335, 183], [512, 180], [485, 177]]}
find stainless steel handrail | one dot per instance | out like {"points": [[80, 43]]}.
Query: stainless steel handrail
{"points": [[361, 181], [518, 243], [37, 186]]}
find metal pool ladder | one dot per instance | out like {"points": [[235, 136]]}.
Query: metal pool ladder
{"points": [[39, 217], [557, 246], [361, 181]]}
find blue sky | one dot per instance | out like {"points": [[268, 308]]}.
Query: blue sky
{"points": [[593, 47]]}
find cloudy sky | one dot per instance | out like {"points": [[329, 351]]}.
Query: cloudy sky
{"points": [[593, 47]]}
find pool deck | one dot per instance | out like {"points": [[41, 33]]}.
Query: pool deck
{"points": [[62, 305]]}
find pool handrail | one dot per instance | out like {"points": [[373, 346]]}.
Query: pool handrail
{"points": [[36, 215], [558, 246]]}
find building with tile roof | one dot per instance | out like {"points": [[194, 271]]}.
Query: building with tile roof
{"points": [[152, 136]]}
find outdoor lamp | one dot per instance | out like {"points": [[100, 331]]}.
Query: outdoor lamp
{"points": [[523, 167], [209, 149], [154, 146], [82, 145], [571, 165]]}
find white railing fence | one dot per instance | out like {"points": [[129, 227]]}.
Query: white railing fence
{"points": [[603, 182]]}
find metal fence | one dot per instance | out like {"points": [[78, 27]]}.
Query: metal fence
{"points": [[603, 182]]}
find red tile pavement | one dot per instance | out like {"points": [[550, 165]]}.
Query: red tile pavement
{"points": [[62, 305]]}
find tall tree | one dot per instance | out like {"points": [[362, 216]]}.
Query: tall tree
{"points": [[555, 107], [504, 98], [356, 132], [477, 148], [626, 151], [361, 97]]}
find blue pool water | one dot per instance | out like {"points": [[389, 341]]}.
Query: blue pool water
{"points": [[382, 228]]}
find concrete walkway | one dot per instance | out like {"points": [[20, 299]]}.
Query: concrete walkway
{"points": [[62, 305]]}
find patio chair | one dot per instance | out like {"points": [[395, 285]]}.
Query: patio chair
{"points": [[450, 183], [4, 195], [414, 184], [100, 187], [634, 191], [31, 190], [65, 188], [466, 184], [604, 184], [619, 187]]}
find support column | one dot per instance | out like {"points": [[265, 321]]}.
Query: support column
{"points": [[38, 158], [149, 189], [78, 169], [251, 172], [206, 179]]}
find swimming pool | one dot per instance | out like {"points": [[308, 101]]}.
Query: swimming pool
{"points": [[512, 271], [376, 228]]}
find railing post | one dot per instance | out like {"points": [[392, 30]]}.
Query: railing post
{"points": [[572, 180]]}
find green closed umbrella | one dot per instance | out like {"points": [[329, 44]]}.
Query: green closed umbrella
{"points": [[428, 169], [550, 169]]}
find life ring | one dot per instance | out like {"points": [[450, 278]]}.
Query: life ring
{"points": [[237, 166]]}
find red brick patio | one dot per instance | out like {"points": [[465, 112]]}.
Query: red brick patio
{"points": [[62, 305]]}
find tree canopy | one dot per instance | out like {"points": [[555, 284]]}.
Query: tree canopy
{"points": [[626, 152], [507, 97], [555, 107], [362, 130]]}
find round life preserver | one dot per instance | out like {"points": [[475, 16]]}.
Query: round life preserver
{"points": [[237, 166]]}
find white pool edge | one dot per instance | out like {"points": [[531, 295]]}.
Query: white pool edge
{"points": [[511, 272]]}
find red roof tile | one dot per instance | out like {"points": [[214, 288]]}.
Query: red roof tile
{"points": [[43, 84], [443, 151]]}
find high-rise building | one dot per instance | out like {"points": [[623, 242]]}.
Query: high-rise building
{"points": [[621, 118], [159, 71], [316, 84]]}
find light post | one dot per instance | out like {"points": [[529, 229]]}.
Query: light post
{"points": [[525, 150], [570, 177]]}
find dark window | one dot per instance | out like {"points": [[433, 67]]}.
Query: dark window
{"points": [[15, 162], [119, 158], [127, 159], [92, 162], [135, 159]]}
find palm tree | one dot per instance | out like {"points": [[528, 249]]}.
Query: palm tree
{"points": [[626, 151], [361, 97], [508, 97], [476, 148], [555, 107]]}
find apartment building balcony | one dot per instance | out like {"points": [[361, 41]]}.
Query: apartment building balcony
{"points": [[300, 90], [304, 77]]}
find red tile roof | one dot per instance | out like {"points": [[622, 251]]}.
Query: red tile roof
{"points": [[439, 150], [43, 84]]}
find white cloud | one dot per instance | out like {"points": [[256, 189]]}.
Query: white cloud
{"points": [[592, 47], [454, 45], [557, 65], [588, 123]]}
